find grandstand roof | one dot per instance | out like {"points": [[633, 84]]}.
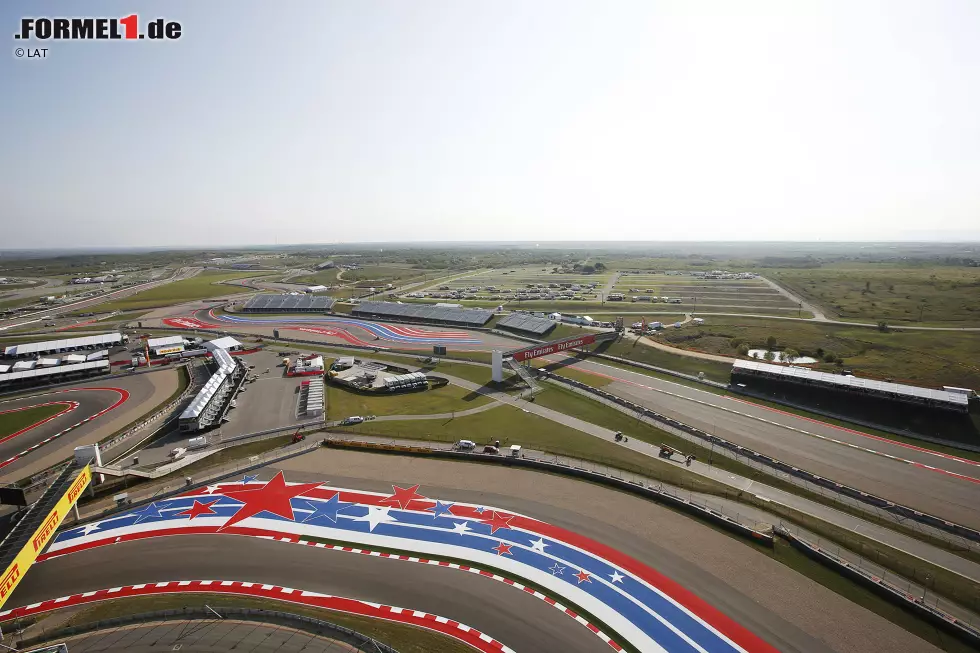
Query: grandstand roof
{"points": [[226, 363], [285, 303], [226, 342], [427, 312], [166, 341], [527, 323], [854, 383], [51, 371], [68, 343], [200, 401]]}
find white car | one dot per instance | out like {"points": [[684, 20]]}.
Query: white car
{"points": [[356, 419]]}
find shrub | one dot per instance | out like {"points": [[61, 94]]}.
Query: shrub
{"points": [[735, 343], [771, 342], [743, 349], [829, 357]]}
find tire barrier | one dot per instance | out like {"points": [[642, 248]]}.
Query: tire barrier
{"points": [[939, 618], [656, 493], [776, 464]]}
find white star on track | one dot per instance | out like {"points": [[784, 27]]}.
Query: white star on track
{"points": [[539, 545], [88, 528], [211, 489], [616, 577], [461, 527], [376, 515]]}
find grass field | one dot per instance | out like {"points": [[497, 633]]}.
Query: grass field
{"points": [[205, 285], [382, 274], [13, 422], [941, 295], [322, 277], [931, 358], [404, 638], [344, 403]]}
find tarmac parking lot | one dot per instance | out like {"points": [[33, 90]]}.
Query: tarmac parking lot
{"points": [[269, 402]]}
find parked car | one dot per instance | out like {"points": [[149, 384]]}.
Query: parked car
{"points": [[355, 419]]}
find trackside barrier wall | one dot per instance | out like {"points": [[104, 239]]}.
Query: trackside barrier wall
{"points": [[122, 437], [300, 622], [890, 592], [774, 463], [646, 491], [253, 463]]}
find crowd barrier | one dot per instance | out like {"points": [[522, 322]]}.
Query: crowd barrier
{"points": [[883, 588], [774, 463], [656, 493]]}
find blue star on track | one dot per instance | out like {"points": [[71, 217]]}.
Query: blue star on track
{"points": [[328, 509], [248, 479], [148, 512], [441, 508]]}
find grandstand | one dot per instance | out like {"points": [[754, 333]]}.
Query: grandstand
{"points": [[30, 374], [65, 345], [211, 403], [463, 317], [527, 324], [288, 304], [851, 385]]}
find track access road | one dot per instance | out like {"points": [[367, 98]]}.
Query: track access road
{"points": [[929, 481]]}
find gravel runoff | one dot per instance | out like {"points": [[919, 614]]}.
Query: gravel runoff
{"points": [[788, 609]]}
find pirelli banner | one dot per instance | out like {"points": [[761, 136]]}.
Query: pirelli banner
{"points": [[13, 574]]}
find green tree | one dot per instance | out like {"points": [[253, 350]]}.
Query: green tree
{"points": [[600, 266], [771, 342], [829, 357], [768, 355], [743, 349], [867, 286], [789, 355], [734, 343]]}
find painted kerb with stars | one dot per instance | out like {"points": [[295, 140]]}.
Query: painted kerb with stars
{"points": [[636, 603]]}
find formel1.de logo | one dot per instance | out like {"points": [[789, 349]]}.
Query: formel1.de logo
{"points": [[97, 29]]}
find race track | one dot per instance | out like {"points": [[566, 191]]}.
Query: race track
{"points": [[937, 483], [105, 404], [646, 543]]}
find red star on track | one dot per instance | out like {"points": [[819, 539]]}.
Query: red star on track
{"points": [[199, 509], [503, 549], [496, 522], [273, 498], [403, 496], [583, 577]]}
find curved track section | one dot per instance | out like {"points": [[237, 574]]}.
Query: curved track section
{"points": [[400, 333], [471, 636], [68, 407], [39, 438], [637, 604]]}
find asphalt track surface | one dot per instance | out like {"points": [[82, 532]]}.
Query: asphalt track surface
{"points": [[145, 392], [767, 598], [932, 482], [520, 620]]}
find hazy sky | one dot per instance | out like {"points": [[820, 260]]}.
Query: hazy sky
{"points": [[505, 120]]}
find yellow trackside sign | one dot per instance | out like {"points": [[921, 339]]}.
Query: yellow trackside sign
{"points": [[13, 574]]}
